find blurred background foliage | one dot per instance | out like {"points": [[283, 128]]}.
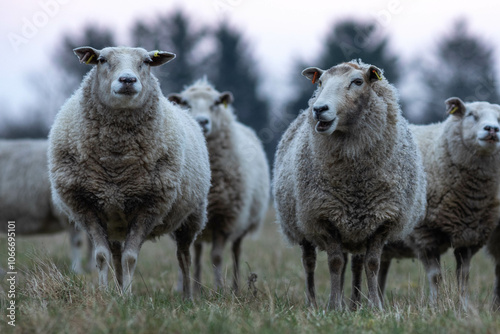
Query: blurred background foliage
{"points": [[461, 64]]}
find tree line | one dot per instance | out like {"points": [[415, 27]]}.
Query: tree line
{"points": [[461, 64]]}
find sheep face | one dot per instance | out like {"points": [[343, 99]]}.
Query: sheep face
{"points": [[209, 107], [122, 77], [340, 95], [479, 122]]}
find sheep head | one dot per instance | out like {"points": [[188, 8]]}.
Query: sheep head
{"points": [[342, 93], [210, 108], [122, 75], [479, 124]]}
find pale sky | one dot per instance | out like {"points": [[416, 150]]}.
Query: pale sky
{"points": [[279, 32]]}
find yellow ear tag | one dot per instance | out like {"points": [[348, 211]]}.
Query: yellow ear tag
{"points": [[156, 54], [225, 104], [453, 110], [89, 60], [376, 73], [315, 77]]}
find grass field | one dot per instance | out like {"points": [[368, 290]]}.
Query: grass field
{"points": [[51, 299]]}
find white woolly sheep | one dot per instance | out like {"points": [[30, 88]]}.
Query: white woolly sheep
{"points": [[348, 175], [239, 195], [461, 157], [25, 195], [126, 165]]}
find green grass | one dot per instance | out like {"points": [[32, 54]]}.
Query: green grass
{"points": [[52, 299]]}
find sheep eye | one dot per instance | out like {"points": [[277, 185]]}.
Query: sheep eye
{"points": [[148, 61], [358, 82], [473, 116], [102, 60]]}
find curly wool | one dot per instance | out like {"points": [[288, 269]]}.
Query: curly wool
{"points": [[462, 203], [25, 188], [352, 184], [116, 162]]}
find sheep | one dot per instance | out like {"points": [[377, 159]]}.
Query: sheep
{"points": [[25, 195], [461, 158], [239, 195], [493, 247], [126, 165], [348, 176]]}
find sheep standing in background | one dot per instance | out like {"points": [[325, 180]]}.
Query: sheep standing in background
{"points": [[493, 247], [461, 158], [239, 195], [126, 165], [25, 195], [348, 175]]}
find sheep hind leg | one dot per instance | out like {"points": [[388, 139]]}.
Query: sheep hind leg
{"points": [[236, 249], [116, 251], [357, 262], [218, 243], [336, 263], [309, 264], [496, 292], [372, 267], [431, 260], [198, 248], [76, 242], [184, 237], [463, 257], [342, 280], [91, 260]]}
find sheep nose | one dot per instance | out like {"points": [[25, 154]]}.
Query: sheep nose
{"points": [[127, 79], [491, 128], [203, 121], [318, 110]]}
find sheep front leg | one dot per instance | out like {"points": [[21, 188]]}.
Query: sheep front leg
{"points": [[102, 253], [309, 264], [138, 231], [432, 264], [372, 267], [357, 262], [336, 263], [463, 256], [382, 277]]}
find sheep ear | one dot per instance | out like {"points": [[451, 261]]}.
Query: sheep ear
{"points": [[175, 98], [312, 73], [87, 55], [160, 57], [374, 74], [225, 98], [455, 106]]}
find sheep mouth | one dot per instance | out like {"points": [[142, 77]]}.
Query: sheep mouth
{"points": [[205, 129], [490, 138], [127, 90], [323, 126]]}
